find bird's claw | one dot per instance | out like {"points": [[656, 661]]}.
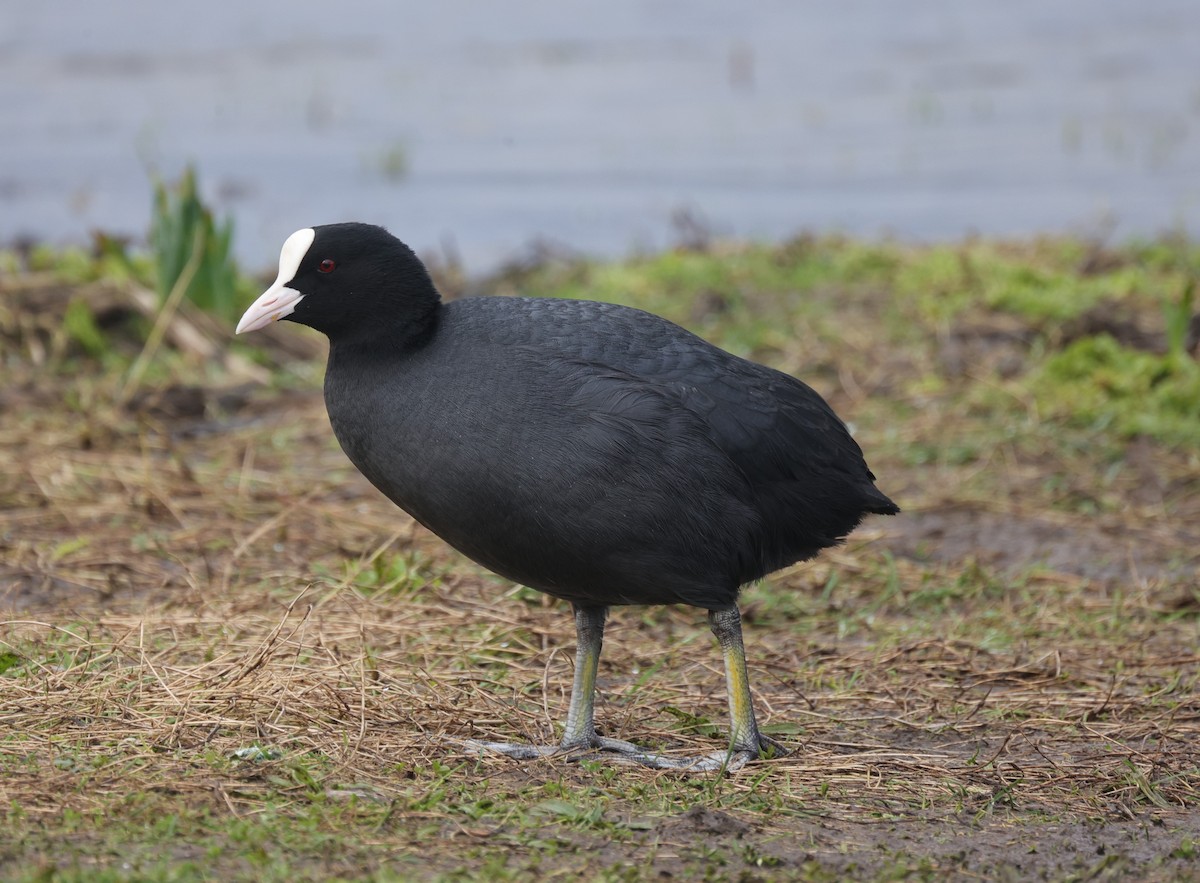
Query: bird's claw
{"points": [[626, 752], [769, 749]]}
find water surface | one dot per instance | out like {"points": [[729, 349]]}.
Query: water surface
{"points": [[479, 127]]}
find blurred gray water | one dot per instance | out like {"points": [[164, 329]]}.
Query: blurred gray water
{"points": [[481, 126]]}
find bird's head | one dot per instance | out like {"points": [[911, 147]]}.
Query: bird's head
{"points": [[344, 280]]}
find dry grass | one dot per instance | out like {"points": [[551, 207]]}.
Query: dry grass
{"points": [[208, 616]]}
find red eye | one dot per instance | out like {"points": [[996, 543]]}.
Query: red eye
{"points": [[326, 266]]}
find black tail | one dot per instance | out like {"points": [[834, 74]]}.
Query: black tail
{"points": [[878, 502]]}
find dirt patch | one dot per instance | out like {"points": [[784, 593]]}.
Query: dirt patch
{"points": [[993, 345], [702, 820], [1015, 544], [1129, 327]]}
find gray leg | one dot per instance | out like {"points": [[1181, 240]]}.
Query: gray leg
{"points": [[580, 731]]}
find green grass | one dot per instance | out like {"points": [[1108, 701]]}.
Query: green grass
{"points": [[189, 244], [1098, 384]]}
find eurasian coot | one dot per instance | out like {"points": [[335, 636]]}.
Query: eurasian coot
{"points": [[591, 451]]}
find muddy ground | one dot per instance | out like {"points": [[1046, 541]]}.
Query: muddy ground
{"points": [[1000, 683]]}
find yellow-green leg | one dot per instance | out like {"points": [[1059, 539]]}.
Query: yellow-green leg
{"points": [[744, 736]]}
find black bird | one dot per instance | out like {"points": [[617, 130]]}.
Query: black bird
{"points": [[594, 452]]}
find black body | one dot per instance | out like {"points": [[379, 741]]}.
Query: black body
{"points": [[594, 452]]}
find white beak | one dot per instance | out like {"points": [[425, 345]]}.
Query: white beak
{"points": [[279, 300], [274, 303]]}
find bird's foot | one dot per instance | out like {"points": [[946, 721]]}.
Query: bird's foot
{"points": [[736, 757], [626, 752], [515, 750], [597, 746], [768, 748]]}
